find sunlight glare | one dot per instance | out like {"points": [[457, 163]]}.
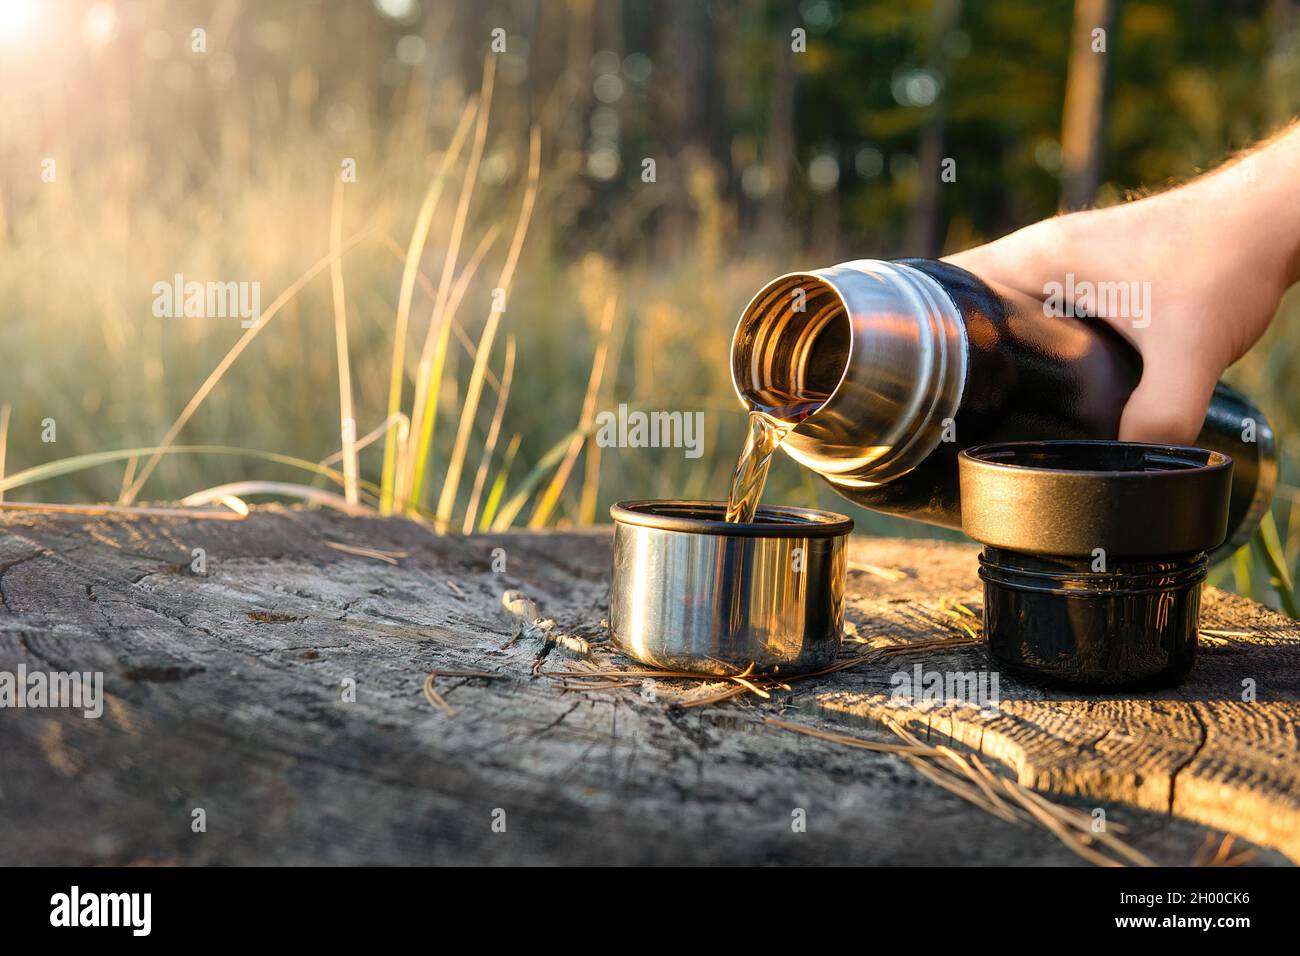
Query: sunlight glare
{"points": [[16, 18], [100, 24]]}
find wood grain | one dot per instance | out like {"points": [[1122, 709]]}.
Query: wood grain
{"points": [[225, 692], [1200, 751]]}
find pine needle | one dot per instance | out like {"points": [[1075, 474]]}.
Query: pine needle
{"points": [[388, 557], [437, 701], [888, 574]]}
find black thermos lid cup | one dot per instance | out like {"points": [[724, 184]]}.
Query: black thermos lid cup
{"points": [[1094, 556]]}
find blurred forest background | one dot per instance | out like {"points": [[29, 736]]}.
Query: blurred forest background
{"points": [[142, 138]]}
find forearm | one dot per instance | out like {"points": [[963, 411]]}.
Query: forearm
{"points": [[1243, 215], [1215, 256], [1255, 202]]}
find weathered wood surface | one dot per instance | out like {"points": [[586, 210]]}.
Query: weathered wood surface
{"points": [[225, 692], [1200, 751]]}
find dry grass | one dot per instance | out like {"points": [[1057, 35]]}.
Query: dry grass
{"points": [[446, 174], [247, 188], [347, 417], [47, 507]]}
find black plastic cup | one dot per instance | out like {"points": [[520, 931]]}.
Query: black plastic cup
{"points": [[1094, 557]]}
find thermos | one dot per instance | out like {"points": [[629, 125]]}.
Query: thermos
{"points": [[921, 359]]}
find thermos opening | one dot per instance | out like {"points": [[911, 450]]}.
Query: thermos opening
{"points": [[791, 346], [885, 369], [867, 360]]}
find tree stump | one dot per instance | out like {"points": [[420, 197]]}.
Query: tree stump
{"points": [[264, 702]]}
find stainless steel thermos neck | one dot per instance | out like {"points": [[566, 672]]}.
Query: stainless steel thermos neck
{"points": [[921, 359]]}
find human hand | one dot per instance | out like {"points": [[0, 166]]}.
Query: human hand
{"points": [[1203, 267]]}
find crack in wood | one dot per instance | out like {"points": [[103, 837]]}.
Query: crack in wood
{"points": [[248, 717]]}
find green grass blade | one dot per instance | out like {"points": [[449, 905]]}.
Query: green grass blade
{"points": [[510, 510], [1241, 571], [415, 249], [428, 420], [1270, 547], [1218, 574], [499, 485]]}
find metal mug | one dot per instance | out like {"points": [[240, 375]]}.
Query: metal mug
{"points": [[694, 592]]}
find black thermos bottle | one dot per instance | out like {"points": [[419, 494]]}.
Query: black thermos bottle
{"points": [[922, 359]]}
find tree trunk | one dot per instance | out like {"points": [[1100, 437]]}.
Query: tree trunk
{"points": [[923, 237], [779, 158], [689, 112], [1083, 124]]}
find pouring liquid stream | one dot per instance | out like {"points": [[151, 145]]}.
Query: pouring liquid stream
{"points": [[768, 427]]}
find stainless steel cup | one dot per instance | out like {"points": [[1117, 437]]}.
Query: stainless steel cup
{"points": [[694, 592]]}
